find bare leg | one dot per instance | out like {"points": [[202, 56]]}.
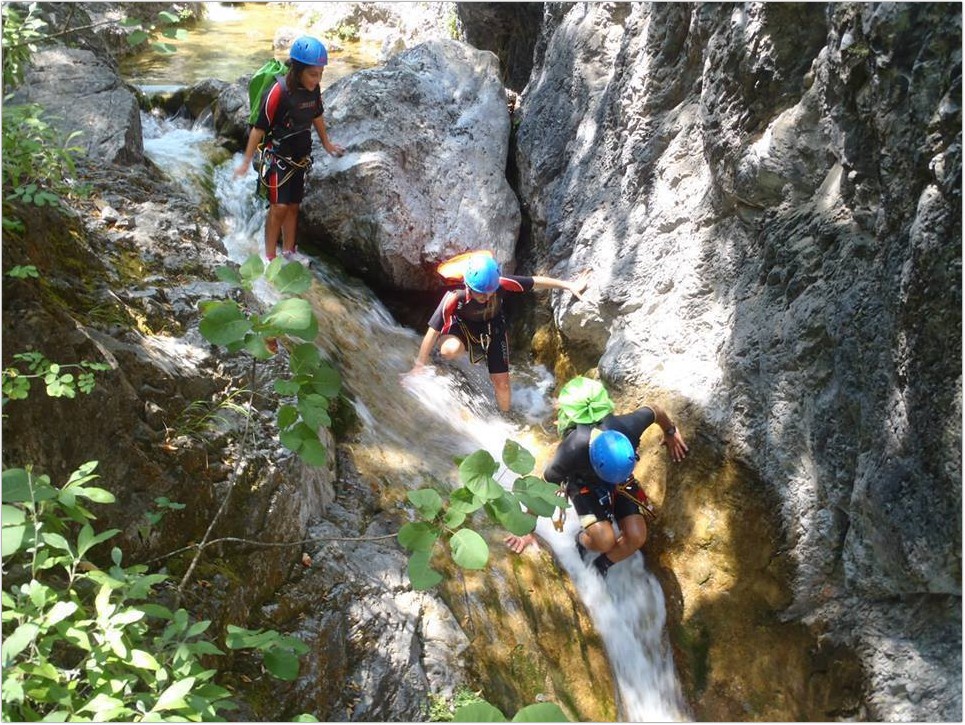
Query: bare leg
{"points": [[502, 389], [289, 227], [598, 536], [451, 347], [273, 228], [633, 535]]}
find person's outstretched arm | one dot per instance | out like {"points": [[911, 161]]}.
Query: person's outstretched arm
{"points": [[254, 138], [425, 349], [322, 131], [576, 286], [671, 436]]}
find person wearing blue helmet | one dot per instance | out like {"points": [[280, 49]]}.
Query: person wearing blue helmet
{"points": [[595, 462], [290, 109], [471, 319]]}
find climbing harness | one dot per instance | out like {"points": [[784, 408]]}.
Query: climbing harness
{"points": [[638, 496], [475, 344], [284, 164]]}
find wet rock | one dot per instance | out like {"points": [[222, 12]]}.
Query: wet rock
{"points": [[76, 87], [423, 135]]}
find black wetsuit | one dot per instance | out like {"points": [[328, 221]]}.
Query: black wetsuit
{"points": [[287, 116], [593, 498], [480, 325]]}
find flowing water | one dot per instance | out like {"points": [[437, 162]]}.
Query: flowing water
{"points": [[414, 425]]}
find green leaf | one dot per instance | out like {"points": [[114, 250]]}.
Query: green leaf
{"points": [[252, 268], [173, 697], [305, 717], [293, 317], [16, 485], [327, 381], [223, 323], [57, 541], [313, 452], [86, 540], [286, 387], [59, 612], [228, 274], [314, 411], [241, 638], [476, 472], [287, 415], [507, 512], [167, 17], [305, 359], [290, 279], [541, 712], [517, 458], [464, 501], [137, 37], [13, 530], [143, 660], [453, 519], [469, 549], [97, 495], [421, 575], [427, 502], [19, 640], [282, 663], [478, 712], [539, 496], [418, 536]]}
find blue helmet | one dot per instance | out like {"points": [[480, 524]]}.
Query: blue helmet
{"points": [[482, 274], [612, 456], [309, 50]]}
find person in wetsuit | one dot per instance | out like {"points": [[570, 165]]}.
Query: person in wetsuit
{"points": [[471, 319], [595, 461], [290, 109]]}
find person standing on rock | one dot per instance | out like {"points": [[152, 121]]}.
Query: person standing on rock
{"points": [[471, 320], [290, 108], [595, 461]]}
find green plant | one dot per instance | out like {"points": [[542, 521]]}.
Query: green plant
{"points": [[39, 162], [59, 384], [201, 416], [485, 712], [313, 382], [140, 31], [20, 35], [83, 643], [442, 520], [154, 517]]}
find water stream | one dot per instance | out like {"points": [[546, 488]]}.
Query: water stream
{"points": [[415, 425]]}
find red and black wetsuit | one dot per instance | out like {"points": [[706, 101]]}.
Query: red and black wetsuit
{"points": [[286, 116], [480, 325], [593, 498]]}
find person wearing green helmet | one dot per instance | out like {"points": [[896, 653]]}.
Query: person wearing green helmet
{"points": [[471, 319], [290, 109], [595, 461]]}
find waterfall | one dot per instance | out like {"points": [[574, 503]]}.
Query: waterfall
{"points": [[430, 418]]}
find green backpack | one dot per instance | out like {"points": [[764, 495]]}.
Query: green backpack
{"points": [[260, 82]]}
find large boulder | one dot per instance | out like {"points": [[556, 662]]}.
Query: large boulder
{"points": [[75, 87], [769, 197], [424, 174]]}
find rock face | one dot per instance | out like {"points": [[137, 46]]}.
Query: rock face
{"points": [[769, 198], [423, 177], [83, 93]]}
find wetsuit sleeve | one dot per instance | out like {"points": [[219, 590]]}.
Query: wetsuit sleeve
{"points": [[632, 425], [272, 107], [515, 283], [319, 106], [444, 317], [567, 459]]}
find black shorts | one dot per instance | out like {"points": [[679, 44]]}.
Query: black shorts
{"points": [[281, 182], [595, 504], [485, 340]]}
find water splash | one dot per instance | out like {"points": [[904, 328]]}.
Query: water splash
{"points": [[415, 424]]}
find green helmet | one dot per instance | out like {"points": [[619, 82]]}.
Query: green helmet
{"points": [[582, 400]]}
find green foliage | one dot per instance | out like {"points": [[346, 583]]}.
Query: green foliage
{"points": [[82, 643], [58, 383], [20, 35], [313, 383], [39, 162], [347, 32], [468, 706], [153, 517], [202, 416], [444, 520], [141, 31]]}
